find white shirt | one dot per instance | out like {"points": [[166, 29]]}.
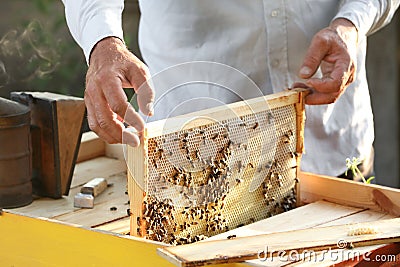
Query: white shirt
{"points": [[266, 40]]}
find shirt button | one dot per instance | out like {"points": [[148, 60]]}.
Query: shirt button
{"points": [[275, 13]]}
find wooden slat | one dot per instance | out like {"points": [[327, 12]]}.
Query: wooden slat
{"points": [[91, 147], [311, 215], [85, 171], [138, 170], [121, 226], [112, 197], [115, 151], [245, 248], [363, 216], [322, 258], [99, 167], [316, 187], [224, 112]]}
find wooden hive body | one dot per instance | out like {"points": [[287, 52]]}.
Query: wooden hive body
{"points": [[203, 173]]}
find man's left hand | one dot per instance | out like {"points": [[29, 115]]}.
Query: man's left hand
{"points": [[334, 50]]}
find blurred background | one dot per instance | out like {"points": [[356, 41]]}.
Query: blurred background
{"points": [[37, 53]]}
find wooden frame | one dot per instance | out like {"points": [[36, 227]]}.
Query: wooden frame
{"points": [[137, 157]]}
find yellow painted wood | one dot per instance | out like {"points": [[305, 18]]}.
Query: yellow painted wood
{"points": [[27, 241]]}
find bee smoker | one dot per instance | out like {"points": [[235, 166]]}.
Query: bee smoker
{"points": [[15, 155]]}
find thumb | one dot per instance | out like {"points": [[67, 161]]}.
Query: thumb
{"points": [[318, 49]]}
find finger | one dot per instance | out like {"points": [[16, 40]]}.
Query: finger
{"points": [[299, 85], [145, 98], [108, 121], [130, 137], [318, 49], [317, 98], [335, 81], [133, 119], [92, 121], [140, 79], [114, 94]]}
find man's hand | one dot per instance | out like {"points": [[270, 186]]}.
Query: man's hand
{"points": [[113, 67], [334, 50]]}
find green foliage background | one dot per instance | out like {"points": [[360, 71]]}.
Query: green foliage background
{"points": [[37, 52]]}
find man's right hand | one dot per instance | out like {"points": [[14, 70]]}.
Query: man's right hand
{"points": [[113, 67]]}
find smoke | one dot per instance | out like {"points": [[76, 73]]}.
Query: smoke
{"points": [[27, 54]]}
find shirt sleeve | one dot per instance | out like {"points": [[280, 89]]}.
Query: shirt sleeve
{"points": [[368, 15], [90, 21]]}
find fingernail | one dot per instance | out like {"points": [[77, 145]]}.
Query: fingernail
{"points": [[150, 107], [305, 71]]}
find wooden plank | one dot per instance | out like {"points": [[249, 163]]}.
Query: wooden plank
{"points": [[245, 248], [115, 151], [121, 226], [311, 215], [99, 167], [317, 187], [112, 204], [85, 171], [334, 256], [363, 216], [91, 147]]}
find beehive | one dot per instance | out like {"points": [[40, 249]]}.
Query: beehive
{"points": [[203, 173]]}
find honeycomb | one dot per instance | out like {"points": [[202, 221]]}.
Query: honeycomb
{"points": [[203, 180]]}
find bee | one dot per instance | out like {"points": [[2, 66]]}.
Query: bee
{"points": [[286, 139], [238, 181], [255, 126], [269, 117], [231, 236], [155, 163], [214, 136]]}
